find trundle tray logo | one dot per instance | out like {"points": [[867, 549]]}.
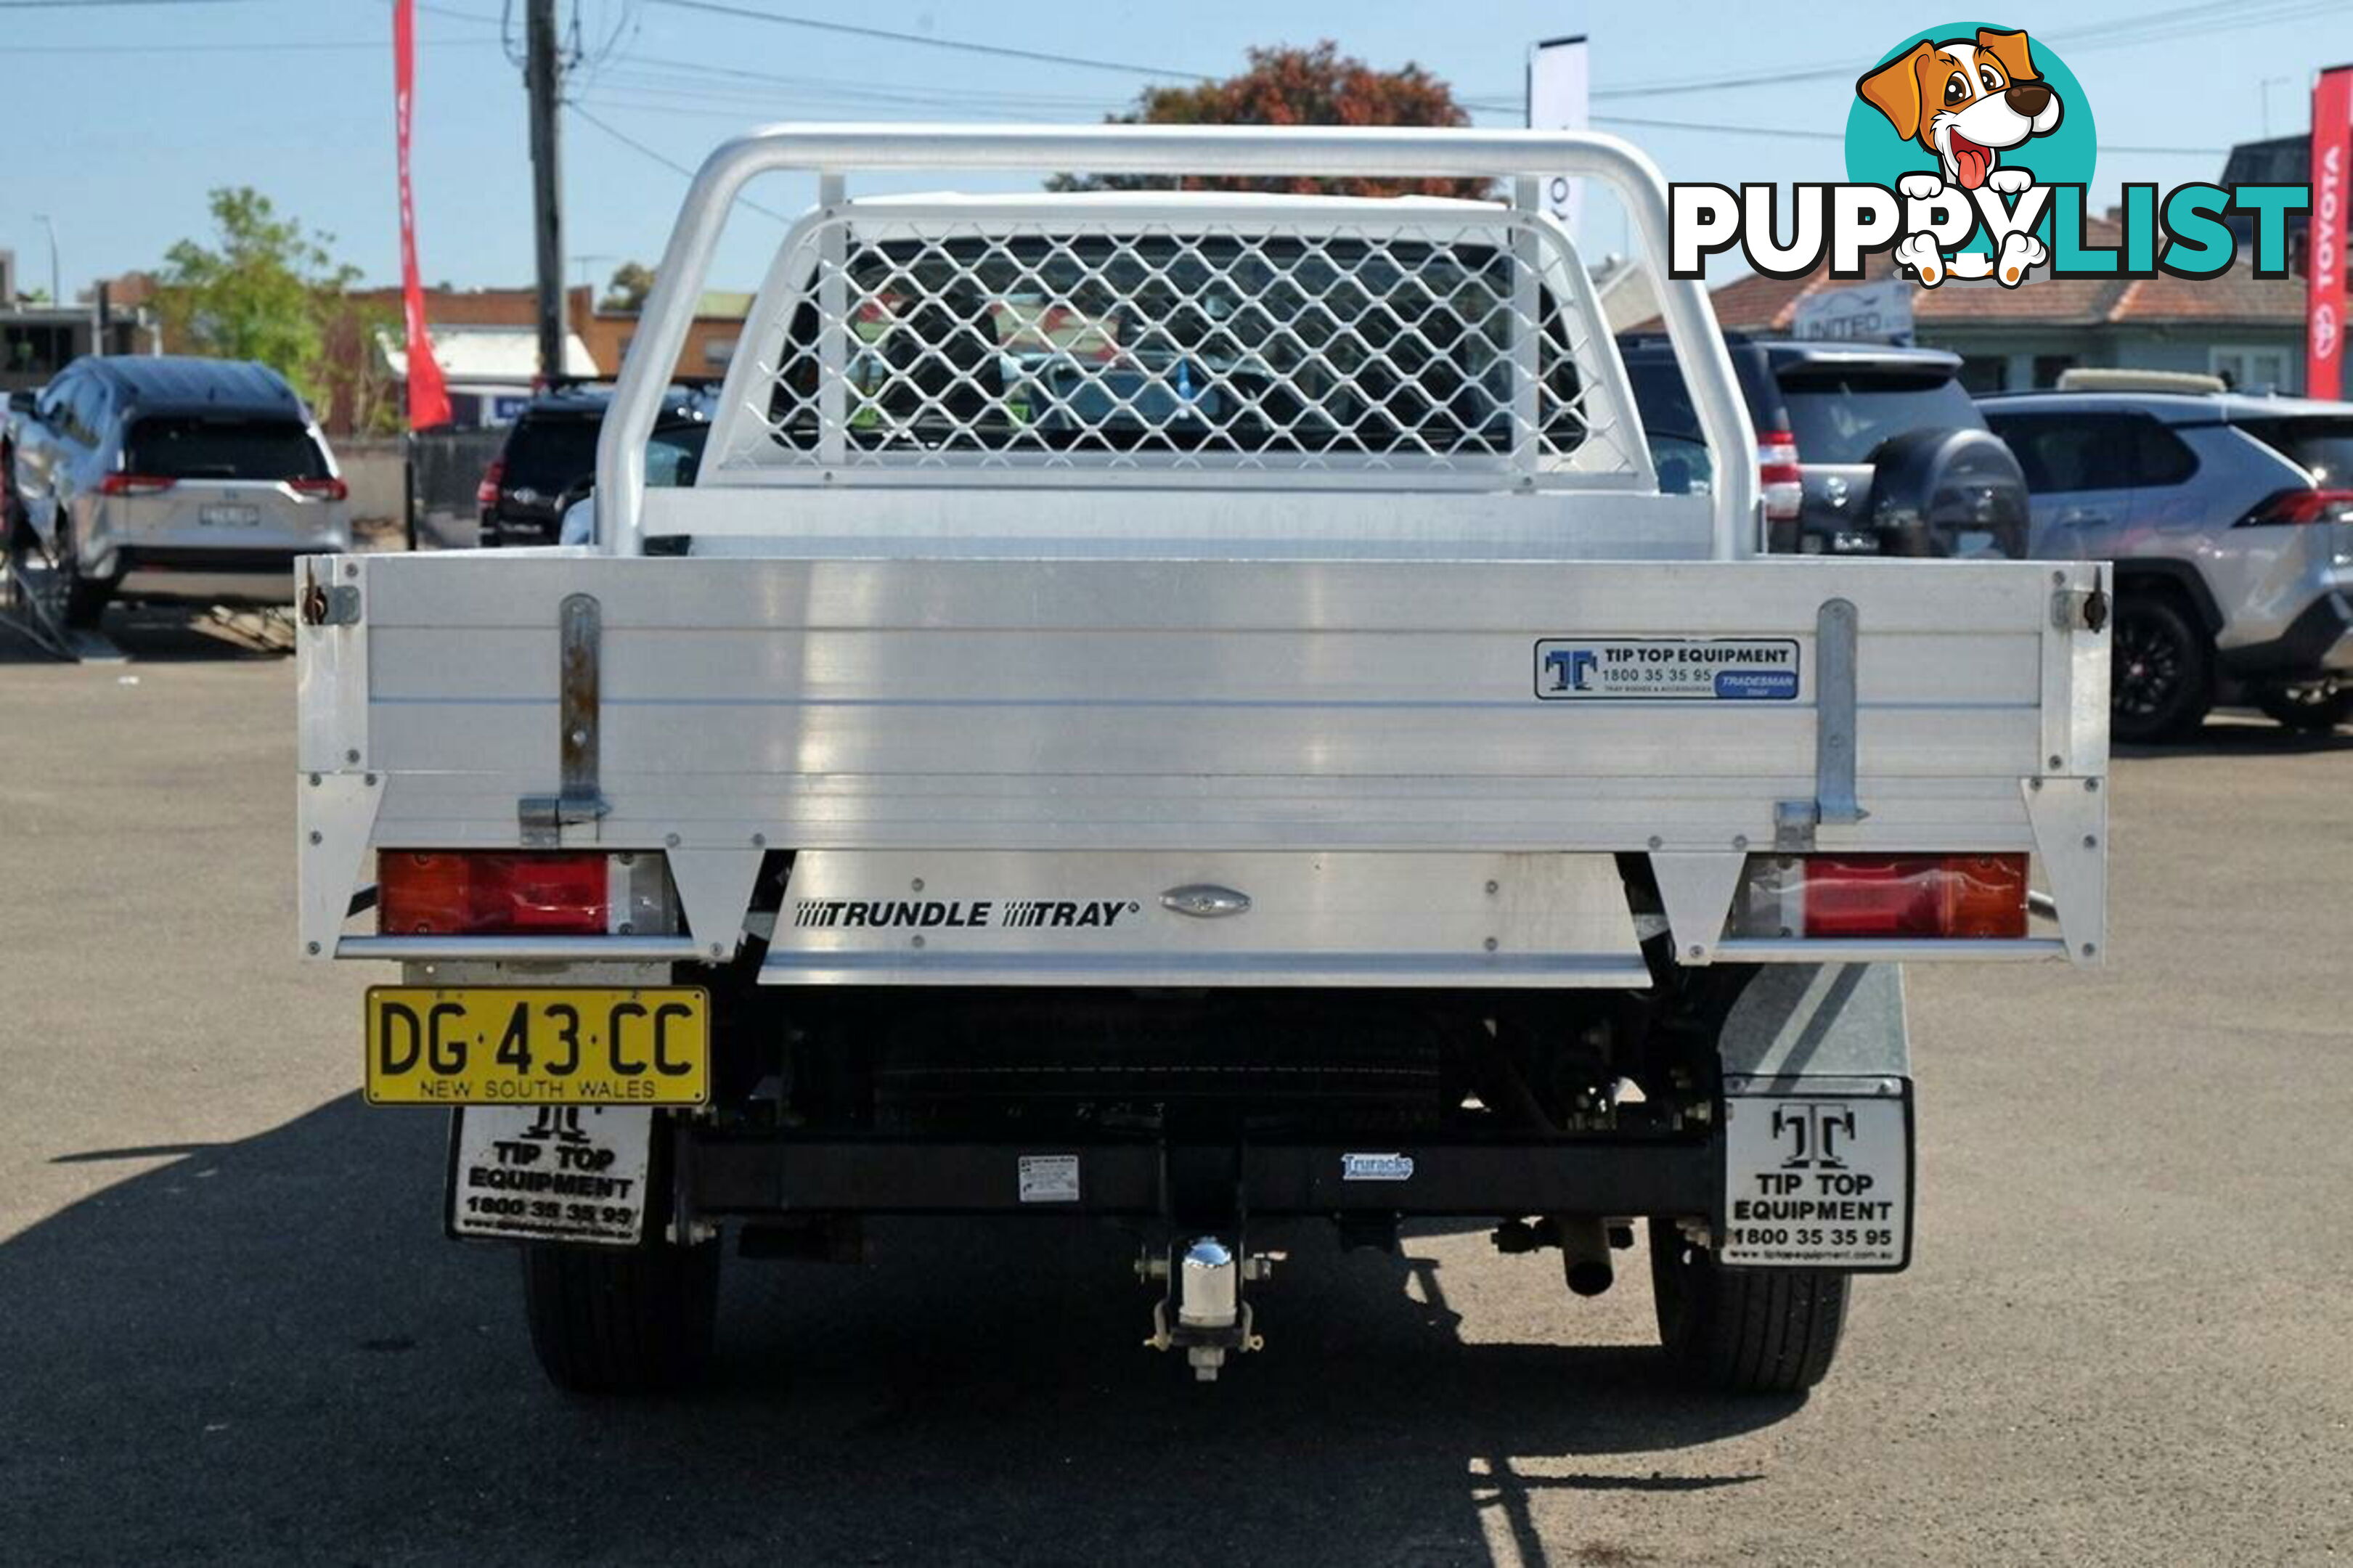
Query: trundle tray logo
{"points": [[1969, 151], [960, 914]]}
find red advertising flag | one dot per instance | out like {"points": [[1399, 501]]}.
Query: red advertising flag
{"points": [[2324, 300], [428, 396]]}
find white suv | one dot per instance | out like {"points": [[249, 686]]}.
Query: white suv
{"points": [[170, 478], [2230, 519]]}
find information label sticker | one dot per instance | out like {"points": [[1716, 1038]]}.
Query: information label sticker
{"points": [[1707, 669], [1817, 1181], [550, 1172], [1050, 1178]]}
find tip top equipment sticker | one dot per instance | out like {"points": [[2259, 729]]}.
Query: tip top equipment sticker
{"points": [[1725, 670]]}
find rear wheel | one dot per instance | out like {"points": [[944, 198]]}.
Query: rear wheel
{"points": [[80, 600], [86, 601], [2315, 707], [2161, 675], [612, 1319], [1744, 1331]]}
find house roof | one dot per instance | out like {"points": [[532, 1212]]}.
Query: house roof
{"points": [[481, 358], [1760, 304], [1757, 303], [1624, 288], [2238, 296]]}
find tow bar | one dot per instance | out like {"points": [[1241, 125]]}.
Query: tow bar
{"points": [[1206, 1286]]}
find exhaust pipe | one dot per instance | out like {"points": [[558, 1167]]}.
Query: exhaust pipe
{"points": [[1585, 1253]]}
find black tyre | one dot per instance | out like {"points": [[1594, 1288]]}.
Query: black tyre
{"points": [[2315, 708], [80, 600], [86, 601], [614, 1319], [2161, 672], [1744, 1331]]}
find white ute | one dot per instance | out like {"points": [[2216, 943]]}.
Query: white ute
{"points": [[1188, 708]]}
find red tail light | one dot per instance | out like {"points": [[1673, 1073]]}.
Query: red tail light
{"points": [[1885, 896], [1778, 475], [486, 492], [321, 489], [2301, 505], [135, 485], [469, 893]]}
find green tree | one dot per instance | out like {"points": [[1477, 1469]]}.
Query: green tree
{"points": [[1290, 86], [267, 290], [631, 282]]}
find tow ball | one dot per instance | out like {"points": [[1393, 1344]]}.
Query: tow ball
{"points": [[1212, 1318]]}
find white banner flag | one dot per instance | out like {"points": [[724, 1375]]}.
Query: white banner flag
{"points": [[1558, 76]]}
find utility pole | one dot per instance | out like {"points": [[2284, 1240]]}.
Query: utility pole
{"points": [[2264, 86], [543, 77], [57, 299]]}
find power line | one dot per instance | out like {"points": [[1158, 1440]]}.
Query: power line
{"points": [[696, 74], [89, 5], [1840, 136], [298, 46], [683, 102], [716, 7], [2151, 27], [288, 45], [795, 98], [798, 106], [770, 88], [664, 159], [451, 11], [740, 118], [782, 19]]}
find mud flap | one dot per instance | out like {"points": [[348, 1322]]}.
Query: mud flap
{"points": [[1818, 1140]]}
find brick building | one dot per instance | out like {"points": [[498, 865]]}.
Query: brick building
{"points": [[606, 334]]}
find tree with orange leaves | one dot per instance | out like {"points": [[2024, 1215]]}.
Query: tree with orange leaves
{"points": [[1290, 86]]}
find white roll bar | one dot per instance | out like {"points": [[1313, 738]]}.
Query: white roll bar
{"points": [[835, 150]]}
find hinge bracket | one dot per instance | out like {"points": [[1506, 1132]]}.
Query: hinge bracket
{"points": [[2080, 609], [543, 817], [1794, 821], [327, 603]]}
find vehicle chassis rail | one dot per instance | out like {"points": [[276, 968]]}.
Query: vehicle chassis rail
{"points": [[725, 1175]]}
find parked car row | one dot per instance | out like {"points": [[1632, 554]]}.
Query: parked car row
{"points": [[201, 480], [1863, 450], [2229, 518]]}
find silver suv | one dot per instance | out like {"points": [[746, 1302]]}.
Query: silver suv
{"points": [[2230, 519], [171, 479]]}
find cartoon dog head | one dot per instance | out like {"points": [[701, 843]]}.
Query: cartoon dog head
{"points": [[1963, 100]]}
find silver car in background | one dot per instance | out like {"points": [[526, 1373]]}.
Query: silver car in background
{"points": [[165, 478], [2230, 519]]}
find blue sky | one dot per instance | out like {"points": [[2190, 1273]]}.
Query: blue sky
{"points": [[117, 118]]}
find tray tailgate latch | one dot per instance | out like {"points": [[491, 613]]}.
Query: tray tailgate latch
{"points": [[1794, 821], [543, 817]]}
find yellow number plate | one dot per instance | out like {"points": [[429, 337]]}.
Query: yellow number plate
{"points": [[572, 1045]]}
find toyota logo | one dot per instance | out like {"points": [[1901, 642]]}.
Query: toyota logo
{"points": [[2324, 330]]}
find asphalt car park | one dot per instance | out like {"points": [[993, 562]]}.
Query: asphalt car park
{"points": [[232, 1329]]}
